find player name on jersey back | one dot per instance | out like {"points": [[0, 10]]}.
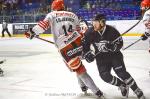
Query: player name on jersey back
{"points": [[64, 19]]}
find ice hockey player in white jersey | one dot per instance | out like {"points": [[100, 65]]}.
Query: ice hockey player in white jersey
{"points": [[67, 37], [145, 6]]}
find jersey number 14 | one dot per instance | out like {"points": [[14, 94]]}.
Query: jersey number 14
{"points": [[69, 29]]}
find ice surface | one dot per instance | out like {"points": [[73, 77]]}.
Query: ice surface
{"points": [[35, 70]]}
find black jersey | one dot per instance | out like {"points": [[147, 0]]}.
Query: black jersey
{"points": [[97, 39]]}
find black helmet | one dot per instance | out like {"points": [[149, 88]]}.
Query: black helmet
{"points": [[99, 17]]}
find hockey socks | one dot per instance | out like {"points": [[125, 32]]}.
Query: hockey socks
{"points": [[132, 84], [88, 82]]}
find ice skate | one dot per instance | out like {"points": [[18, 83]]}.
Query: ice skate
{"points": [[1, 72], [124, 90], [84, 89], [99, 95], [1, 62], [139, 94]]}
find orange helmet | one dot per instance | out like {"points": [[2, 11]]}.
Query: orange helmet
{"points": [[57, 5], [145, 4]]}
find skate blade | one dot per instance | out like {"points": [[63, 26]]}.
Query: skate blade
{"points": [[102, 97]]}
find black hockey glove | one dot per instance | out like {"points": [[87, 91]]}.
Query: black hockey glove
{"points": [[30, 34], [147, 34], [143, 37], [110, 47], [89, 57]]}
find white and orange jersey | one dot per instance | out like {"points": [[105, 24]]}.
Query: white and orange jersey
{"points": [[60, 22], [146, 21]]}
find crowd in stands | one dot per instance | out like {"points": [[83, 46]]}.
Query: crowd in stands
{"points": [[26, 10], [7, 5], [114, 9]]}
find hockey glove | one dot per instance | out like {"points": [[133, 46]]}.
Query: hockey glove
{"points": [[89, 57], [110, 47], [143, 37], [147, 34], [30, 34]]}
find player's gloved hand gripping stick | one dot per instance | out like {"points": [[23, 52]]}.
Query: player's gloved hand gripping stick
{"points": [[30, 34]]}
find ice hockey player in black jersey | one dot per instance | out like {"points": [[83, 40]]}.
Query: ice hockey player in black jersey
{"points": [[1, 71], [109, 55]]}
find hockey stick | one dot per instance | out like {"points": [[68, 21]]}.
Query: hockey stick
{"points": [[126, 31], [44, 40], [37, 36], [131, 44]]}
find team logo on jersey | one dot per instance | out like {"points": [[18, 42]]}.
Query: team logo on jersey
{"points": [[101, 46], [147, 34], [74, 51]]}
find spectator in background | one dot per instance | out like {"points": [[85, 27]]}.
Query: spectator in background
{"points": [[5, 28], [1, 2], [88, 6], [15, 2], [82, 2]]}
